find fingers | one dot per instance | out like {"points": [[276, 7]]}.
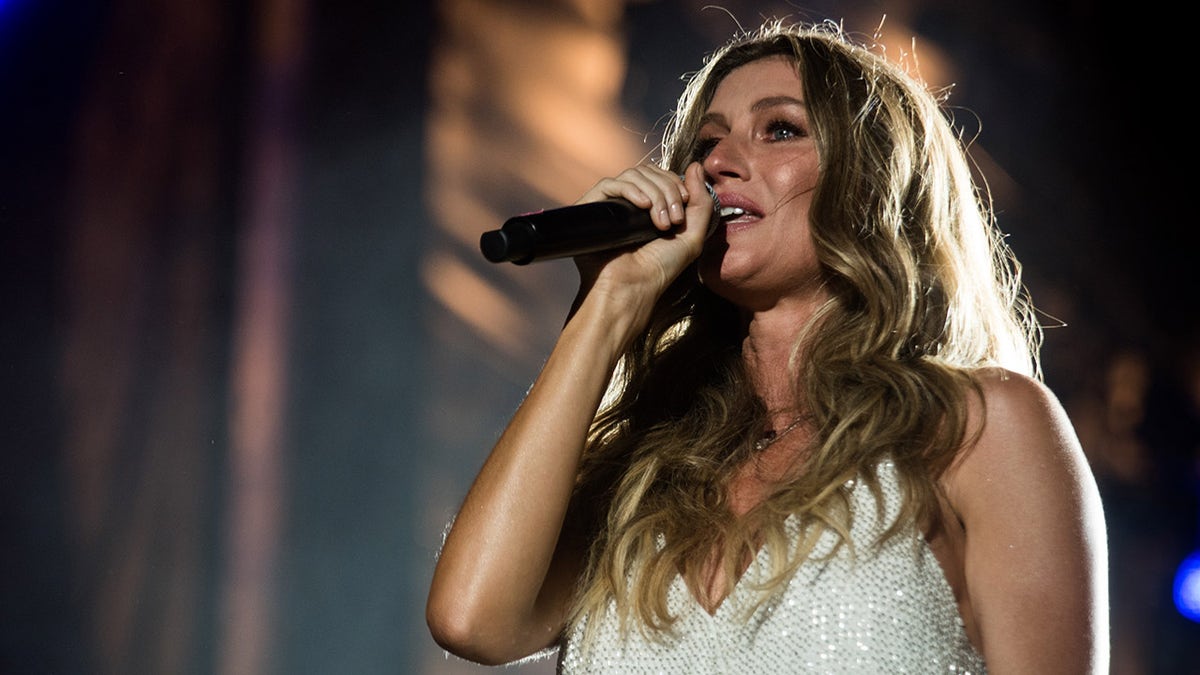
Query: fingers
{"points": [[648, 187], [682, 207], [699, 212]]}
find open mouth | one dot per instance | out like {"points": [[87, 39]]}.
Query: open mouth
{"points": [[729, 212]]}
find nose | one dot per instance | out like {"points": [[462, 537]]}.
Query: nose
{"points": [[726, 159]]}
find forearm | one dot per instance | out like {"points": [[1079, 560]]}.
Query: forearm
{"points": [[499, 591], [505, 578]]}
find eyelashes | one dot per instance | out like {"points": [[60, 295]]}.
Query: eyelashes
{"points": [[702, 147], [774, 131], [783, 126]]}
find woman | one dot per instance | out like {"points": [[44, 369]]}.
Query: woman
{"points": [[804, 433]]}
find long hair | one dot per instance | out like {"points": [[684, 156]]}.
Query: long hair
{"points": [[923, 293]]}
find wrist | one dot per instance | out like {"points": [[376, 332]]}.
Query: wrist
{"points": [[617, 312]]}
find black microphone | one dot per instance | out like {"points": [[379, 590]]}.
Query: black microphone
{"points": [[572, 230]]}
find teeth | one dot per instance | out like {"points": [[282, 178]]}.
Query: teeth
{"points": [[731, 211]]}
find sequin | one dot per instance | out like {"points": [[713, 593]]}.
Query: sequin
{"points": [[889, 609]]}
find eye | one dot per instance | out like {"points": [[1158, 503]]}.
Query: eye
{"points": [[702, 148], [781, 130]]}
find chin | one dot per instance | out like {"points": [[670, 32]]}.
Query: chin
{"points": [[724, 273]]}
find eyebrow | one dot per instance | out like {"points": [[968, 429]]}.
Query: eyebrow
{"points": [[759, 105]]}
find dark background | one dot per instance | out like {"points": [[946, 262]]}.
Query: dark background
{"points": [[148, 151]]}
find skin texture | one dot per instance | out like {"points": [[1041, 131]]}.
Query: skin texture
{"points": [[1027, 556], [1022, 537], [504, 578], [760, 155]]}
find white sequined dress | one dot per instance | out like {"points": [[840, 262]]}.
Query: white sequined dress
{"points": [[886, 609]]}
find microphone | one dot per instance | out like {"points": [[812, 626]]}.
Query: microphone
{"points": [[572, 230]]}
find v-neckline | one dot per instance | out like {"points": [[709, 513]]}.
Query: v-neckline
{"points": [[754, 567]]}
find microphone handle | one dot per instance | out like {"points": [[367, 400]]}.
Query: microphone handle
{"points": [[569, 231]]}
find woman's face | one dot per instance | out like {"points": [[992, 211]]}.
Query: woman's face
{"points": [[757, 149]]}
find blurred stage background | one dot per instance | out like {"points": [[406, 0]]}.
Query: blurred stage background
{"points": [[252, 357]]}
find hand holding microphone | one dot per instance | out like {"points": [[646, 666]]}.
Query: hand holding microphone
{"points": [[573, 230]]}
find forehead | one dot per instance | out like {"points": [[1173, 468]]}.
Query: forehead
{"points": [[768, 77]]}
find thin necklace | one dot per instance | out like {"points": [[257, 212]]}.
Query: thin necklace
{"points": [[773, 437]]}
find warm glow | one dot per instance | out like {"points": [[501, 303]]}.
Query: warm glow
{"points": [[525, 115], [476, 302]]}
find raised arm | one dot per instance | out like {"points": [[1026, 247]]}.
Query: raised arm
{"points": [[505, 577], [1036, 553]]}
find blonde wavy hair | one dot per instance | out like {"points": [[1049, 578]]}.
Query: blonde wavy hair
{"points": [[923, 294]]}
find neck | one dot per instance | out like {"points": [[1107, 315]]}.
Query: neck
{"points": [[767, 350]]}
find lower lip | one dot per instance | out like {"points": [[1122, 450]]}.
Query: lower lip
{"points": [[739, 223]]}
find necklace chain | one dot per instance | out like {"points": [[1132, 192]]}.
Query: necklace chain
{"points": [[773, 437]]}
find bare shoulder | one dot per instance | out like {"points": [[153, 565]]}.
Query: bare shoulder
{"points": [[1016, 427], [1022, 458], [1035, 556]]}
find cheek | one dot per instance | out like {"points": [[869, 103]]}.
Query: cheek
{"points": [[794, 209], [794, 183]]}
